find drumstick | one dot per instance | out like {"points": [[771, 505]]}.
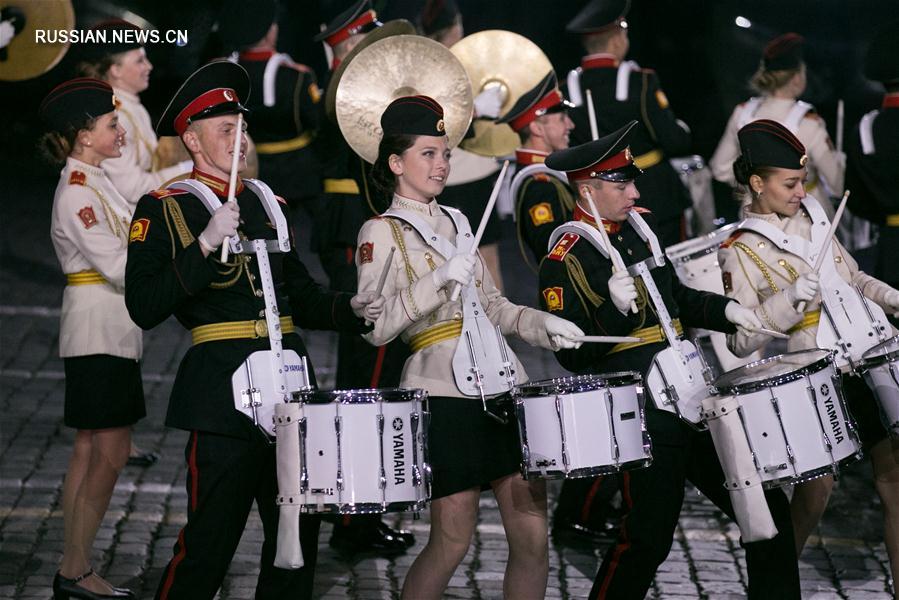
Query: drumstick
{"points": [[232, 180], [840, 124], [385, 272], [591, 114], [608, 339], [770, 332], [483, 224], [617, 263], [825, 249]]}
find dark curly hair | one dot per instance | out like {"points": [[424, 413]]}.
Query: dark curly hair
{"points": [[381, 175]]}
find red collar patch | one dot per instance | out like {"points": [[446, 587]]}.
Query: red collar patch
{"points": [[563, 246]]}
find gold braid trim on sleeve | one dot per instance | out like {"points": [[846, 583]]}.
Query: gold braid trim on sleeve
{"points": [[174, 217], [410, 272], [576, 274], [763, 267]]}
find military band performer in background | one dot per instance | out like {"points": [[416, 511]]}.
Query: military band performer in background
{"points": [[100, 345], [578, 283], [470, 448], [348, 200], [780, 81], [623, 91], [758, 274], [873, 153], [286, 107], [174, 268]]}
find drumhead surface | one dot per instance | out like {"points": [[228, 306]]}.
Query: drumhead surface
{"points": [[690, 249], [774, 369], [885, 350], [361, 396], [576, 383]]}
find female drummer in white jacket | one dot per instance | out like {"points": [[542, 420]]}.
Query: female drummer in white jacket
{"points": [[757, 273], [468, 448], [100, 345]]}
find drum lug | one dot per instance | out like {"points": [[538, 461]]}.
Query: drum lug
{"points": [[616, 451], [561, 418], [416, 472], [304, 473], [337, 429], [382, 476]]}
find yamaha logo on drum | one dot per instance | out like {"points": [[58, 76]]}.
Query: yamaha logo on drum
{"points": [[399, 453], [833, 419]]}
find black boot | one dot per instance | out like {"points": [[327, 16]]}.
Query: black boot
{"points": [[407, 536], [68, 589], [363, 535]]}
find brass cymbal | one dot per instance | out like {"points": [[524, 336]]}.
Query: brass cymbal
{"points": [[401, 65], [496, 57], [390, 28], [26, 57]]}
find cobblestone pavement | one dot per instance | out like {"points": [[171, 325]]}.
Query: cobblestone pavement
{"points": [[845, 559]]}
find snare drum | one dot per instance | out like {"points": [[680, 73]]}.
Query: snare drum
{"points": [[880, 368], [582, 426], [698, 181], [696, 264], [363, 451], [794, 415]]}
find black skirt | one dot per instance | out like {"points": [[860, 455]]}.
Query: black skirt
{"points": [[467, 448], [103, 391]]}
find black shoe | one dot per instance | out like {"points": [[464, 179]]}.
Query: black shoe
{"points": [[569, 531], [145, 459], [407, 536], [68, 589], [367, 540]]}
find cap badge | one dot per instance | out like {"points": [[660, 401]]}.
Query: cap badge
{"points": [[627, 154], [115, 101], [228, 95], [803, 159], [441, 127]]}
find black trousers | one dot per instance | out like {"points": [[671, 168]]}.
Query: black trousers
{"points": [[225, 475], [653, 498], [585, 501]]}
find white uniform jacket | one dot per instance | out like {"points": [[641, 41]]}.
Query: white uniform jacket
{"points": [[134, 173], [756, 274], [824, 161], [90, 226], [418, 311]]}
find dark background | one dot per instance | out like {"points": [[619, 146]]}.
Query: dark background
{"points": [[703, 59]]}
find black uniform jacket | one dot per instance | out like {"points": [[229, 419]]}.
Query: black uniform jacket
{"points": [[661, 189], [167, 275], [874, 181], [297, 112], [574, 285]]}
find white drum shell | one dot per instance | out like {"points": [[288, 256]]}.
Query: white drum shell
{"points": [[881, 372]]}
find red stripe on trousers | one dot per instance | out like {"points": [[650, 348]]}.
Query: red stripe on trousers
{"points": [[182, 547], [194, 473], [349, 255], [379, 363], [623, 545], [588, 501]]}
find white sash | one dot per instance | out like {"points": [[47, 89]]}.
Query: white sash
{"points": [[866, 133]]}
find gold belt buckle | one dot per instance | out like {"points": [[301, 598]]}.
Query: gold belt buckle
{"points": [[261, 328]]}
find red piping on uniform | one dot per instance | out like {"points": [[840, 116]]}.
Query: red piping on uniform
{"points": [[349, 255], [256, 55], [182, 546], [379, 363], [622, 546], [599, 61], [891, 101], [588, 501], [194, 473], [170, 576]]}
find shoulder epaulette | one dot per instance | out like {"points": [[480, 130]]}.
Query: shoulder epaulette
{"points": [[165, 193], [563, 246], [811, 114], [541, 177], [280, 199], [77, 178], [727, 243], [300, 67], [641, 210]]}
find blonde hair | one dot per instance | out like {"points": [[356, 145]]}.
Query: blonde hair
{"points": [[766, 82]]}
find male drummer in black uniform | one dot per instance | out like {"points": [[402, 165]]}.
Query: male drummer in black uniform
{"points": [[174, 268], [578, 283], [348, 201], [543, 199], [285, 108], [622, 92], [872, 171]]}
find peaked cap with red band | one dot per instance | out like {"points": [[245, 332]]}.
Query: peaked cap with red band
{"points": [[358, 18], [215, 89], [600, 15], [766, 143], [608, 158], [74, 102], [542, 99], [783, 52]]}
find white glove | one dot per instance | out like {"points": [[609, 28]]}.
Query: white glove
{"points": [[368, 306], [891, 299], [489, 103], [459, 268], [803, 289], [223, 224], [562, 333], [623, 290], [7, 33], [742, 317]]}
